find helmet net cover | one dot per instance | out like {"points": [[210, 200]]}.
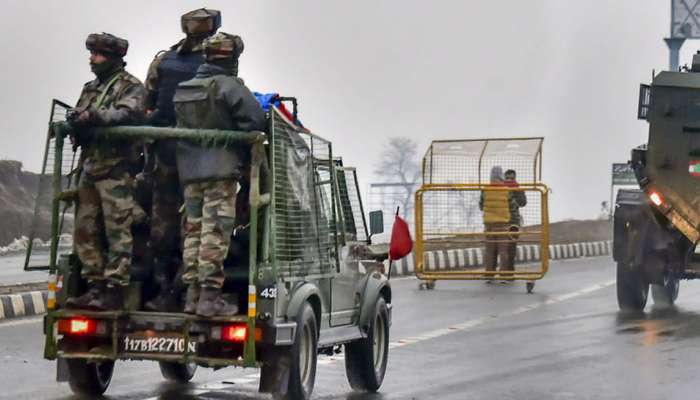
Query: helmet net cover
{"points": [[201, 21], [222, 46], [107, 43]]}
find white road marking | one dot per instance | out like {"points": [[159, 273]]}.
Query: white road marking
{"points": [[466, 325]]}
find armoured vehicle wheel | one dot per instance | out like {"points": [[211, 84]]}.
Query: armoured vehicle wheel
{"points": [[302, 371], [632, 291], [177, 372], [88, 378], [365, 359], [665, 295]]}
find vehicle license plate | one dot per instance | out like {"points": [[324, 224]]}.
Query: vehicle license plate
{"points": [[162, 343]]}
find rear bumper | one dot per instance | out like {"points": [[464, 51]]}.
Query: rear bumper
{"points": [[193, 329]]}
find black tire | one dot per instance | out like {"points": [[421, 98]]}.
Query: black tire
{"points": [[89, 378], [666, 295], [304, 351], [632, 289], [366, 359], [177, 372]]}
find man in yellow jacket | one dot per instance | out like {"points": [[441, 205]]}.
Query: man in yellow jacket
{"points": [[495, 205]]}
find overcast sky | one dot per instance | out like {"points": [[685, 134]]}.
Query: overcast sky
{"points": [[367, 70]]}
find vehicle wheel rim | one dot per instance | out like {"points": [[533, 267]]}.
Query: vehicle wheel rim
{"points": [[305, 355], [378, 342]]}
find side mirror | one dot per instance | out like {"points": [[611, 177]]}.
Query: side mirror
{"points": [[376, 222]]}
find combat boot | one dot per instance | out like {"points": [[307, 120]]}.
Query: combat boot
{"points": [[113, 299], [96, 290], [212, 303], [164, 301], [191, 298]]}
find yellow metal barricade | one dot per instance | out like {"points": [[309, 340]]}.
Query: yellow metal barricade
{"points": [[456, 239]]}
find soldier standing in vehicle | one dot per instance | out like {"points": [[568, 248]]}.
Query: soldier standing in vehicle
{"points": [[106, 207], [214, 99], [167, 70]]}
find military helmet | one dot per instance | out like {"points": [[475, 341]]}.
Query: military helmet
{"points": [[202, 21], [107, 44], [222, 46]]}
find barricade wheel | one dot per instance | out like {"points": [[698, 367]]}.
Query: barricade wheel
{"points": [[530, 286]]}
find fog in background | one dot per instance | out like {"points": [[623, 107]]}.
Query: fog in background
{"points": [[367, 70]]}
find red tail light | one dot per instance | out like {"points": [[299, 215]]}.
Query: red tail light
{"points": [[234, 333], [237, 333], [77, 326], [655, 198]]}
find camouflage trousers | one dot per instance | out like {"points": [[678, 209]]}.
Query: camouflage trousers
{"points": [[211, 215], [105, 214]]}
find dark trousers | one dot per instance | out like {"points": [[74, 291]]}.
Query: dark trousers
{"points": [[512, 247], [497, 247]]}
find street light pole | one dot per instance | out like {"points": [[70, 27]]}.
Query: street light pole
{"points": [[674, 48]]}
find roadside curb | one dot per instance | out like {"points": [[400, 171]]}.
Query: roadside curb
{"points": [[22, 304], [34, 302], [443, 260]]}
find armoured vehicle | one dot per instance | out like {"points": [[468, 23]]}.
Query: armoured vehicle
{"points": [[656, 227], [304, 277]]}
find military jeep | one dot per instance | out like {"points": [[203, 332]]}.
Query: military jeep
{"points": [[306, 283]]}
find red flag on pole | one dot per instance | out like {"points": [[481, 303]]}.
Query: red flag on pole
{"points": [[401, 243]]}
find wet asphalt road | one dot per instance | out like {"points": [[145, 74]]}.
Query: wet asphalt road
{"points": [[465, 340], [11, 269]]}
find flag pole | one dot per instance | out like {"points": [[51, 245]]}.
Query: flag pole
{"points": [[390, 260]]}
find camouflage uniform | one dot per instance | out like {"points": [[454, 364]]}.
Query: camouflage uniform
{"points": [[166, 71], [211, 216], [106, 207], [214, 99]]}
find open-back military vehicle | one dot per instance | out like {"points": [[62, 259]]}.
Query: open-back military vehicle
{"points": [[657, 227], [306, 282]]}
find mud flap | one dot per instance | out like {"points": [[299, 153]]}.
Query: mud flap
{"points": [[62, 371], [274, 376]]}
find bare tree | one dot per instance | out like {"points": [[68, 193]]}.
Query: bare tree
{"points": [[399, 165]]}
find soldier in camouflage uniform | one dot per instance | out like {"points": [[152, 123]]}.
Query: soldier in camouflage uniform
{"points": [[167, 70], [106, 208], [214, 99]]}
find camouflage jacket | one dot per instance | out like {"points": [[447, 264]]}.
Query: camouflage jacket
{"points": [[118, 100]]}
